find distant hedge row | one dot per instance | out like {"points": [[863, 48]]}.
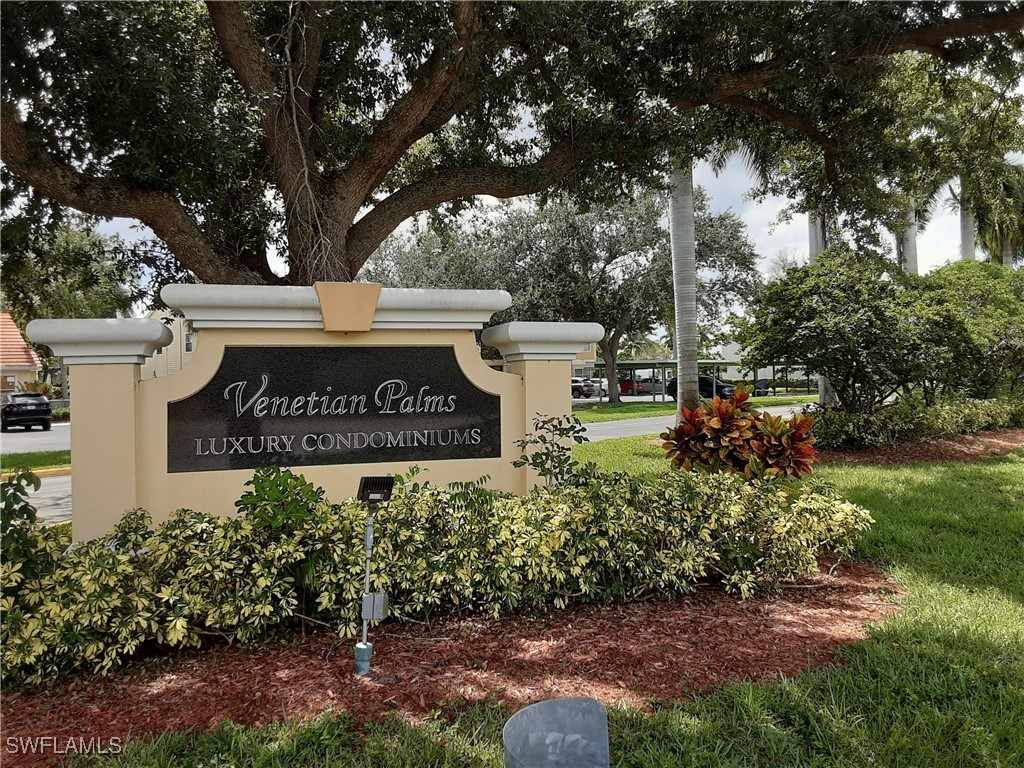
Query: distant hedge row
{"points": [[910, 418]]}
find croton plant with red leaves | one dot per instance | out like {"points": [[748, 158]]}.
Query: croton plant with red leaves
{"points": [[729, 435]]}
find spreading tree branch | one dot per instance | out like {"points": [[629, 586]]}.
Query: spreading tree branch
{"points": [[502, 182], [158, 209], [783, 117], [241, 50], [928, 39], [424, 108], [792, 121], [285, 131]]}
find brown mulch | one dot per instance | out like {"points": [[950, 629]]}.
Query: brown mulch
{"points": [[634, 654], [945, 448]]}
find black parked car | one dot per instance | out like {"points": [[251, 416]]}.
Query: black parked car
{"points": [[25, 409], [582, 387], [707, 387]]}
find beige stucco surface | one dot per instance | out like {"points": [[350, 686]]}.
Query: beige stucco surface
{"points": [[104, 481]]}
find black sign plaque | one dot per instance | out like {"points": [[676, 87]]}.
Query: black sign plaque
{"points": [[302, 406]]}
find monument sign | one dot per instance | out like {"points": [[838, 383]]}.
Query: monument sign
{"points": [[302, 406], [338, 380]]}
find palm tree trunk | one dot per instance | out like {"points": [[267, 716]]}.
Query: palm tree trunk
{"points": [[682, 233], [968, 243], [1008, 253], [815, 236], [817, 241], [908, 242]]}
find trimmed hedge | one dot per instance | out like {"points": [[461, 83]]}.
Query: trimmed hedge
{"points": [[439, 550], [910, 418]]}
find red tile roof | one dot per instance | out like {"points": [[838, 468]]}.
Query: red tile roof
{"points": [[14, 352]]}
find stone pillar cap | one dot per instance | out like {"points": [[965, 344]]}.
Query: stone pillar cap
{"points": [[280, 306], [95, 341], [542, 341]]}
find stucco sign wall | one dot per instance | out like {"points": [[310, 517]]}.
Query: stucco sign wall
{"points": [[337, 380], [303, 406]]}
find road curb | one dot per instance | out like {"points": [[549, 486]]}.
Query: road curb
{"points": [[48, 472]]}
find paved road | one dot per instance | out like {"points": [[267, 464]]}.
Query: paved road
{"points": [[35, 439], [53, 499], [606, 430]]}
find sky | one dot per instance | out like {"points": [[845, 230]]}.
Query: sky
{"points": [[937, 244]]}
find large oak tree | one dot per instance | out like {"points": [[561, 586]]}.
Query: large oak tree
{"points": [[316, 128]]}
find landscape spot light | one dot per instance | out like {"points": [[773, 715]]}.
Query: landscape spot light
{"points": [[374, 491]]}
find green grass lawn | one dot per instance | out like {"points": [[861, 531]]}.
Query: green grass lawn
{"points": [[940, 685], [591, 412], [39, 460]]}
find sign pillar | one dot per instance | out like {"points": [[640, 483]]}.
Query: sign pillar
{"points": [[101, 442], [104, 357], [542, 354]]}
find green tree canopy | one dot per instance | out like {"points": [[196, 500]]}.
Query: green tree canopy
{"points": [[608, 264], [875, 331], [849, 317], [985, 303], [314, 129], [66, 271], [70, 272]]}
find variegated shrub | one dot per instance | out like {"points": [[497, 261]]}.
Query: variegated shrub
{"points": [[439, 550]]}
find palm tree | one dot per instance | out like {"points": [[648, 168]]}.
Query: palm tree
{"points": [[1001, 219], [974, 125], [906, 242], [684, 280], [967, 126]]}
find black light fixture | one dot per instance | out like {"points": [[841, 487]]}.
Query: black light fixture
{"points": [[376, 490]]}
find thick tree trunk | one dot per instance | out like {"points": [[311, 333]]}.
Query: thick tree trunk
{"points": [[682, 233], [610, 354], [1008, 253]]}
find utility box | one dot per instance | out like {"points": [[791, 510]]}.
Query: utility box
{"points": [[375, 606]]}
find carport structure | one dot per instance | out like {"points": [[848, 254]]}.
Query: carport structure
{"points": [[664, 370]]}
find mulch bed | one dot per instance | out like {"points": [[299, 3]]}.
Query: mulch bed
{"points": [[633, 654], [945, 448]]}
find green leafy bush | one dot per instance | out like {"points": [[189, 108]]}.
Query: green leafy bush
{"points": [[547, 450], [876, 331], [291, 555], [910, 418], [62, 414]]}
